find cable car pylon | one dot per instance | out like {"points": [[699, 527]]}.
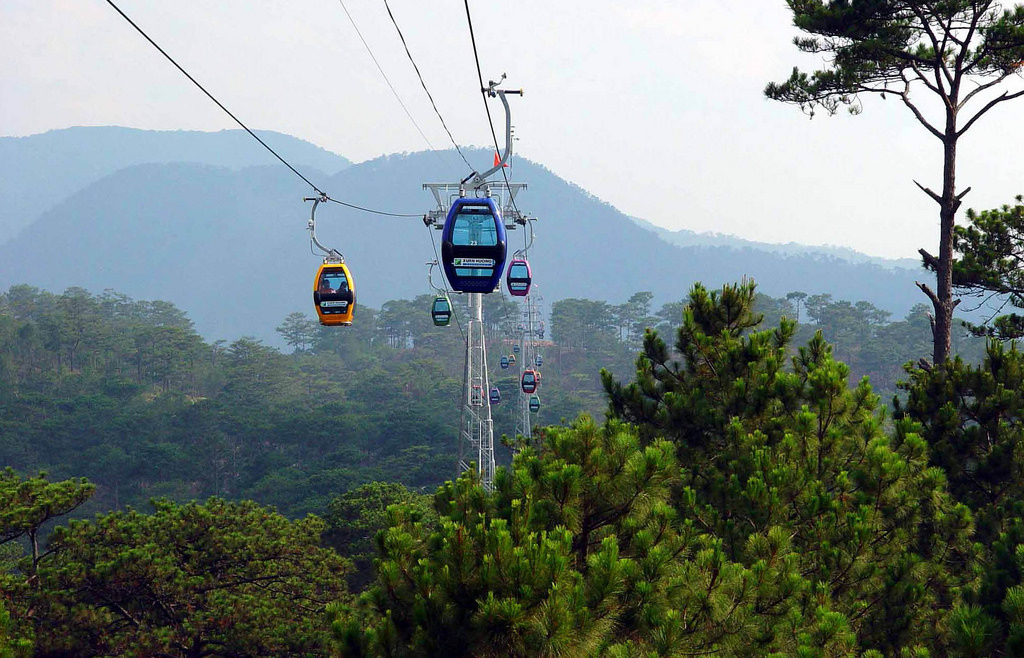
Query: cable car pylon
{"points": [[473, 216]]}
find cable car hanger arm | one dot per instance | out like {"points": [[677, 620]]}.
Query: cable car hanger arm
{"points": [[328, 253], [492, 91]]}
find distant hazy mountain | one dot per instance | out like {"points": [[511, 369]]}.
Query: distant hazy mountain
{"points": [[39, 171], [685, 238], [231, 248]]}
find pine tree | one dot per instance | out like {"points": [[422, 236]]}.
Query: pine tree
{"points": [[764, 446], [957, 52]]}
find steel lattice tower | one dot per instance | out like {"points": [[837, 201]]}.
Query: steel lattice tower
{"points": [[525, 335], [476, 429]]}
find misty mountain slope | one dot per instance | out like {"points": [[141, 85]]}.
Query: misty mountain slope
{"points": [[39, 171], [685, 238], [230, 246]]}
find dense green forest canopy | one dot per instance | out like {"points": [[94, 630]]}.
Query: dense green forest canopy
{"points": [[126, 393], [748, 493]]}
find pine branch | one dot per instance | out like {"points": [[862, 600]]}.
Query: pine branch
{"points": [[932, 296], [930, 262], [935, 197], [1005, 96]]}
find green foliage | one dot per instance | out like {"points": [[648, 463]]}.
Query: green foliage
{"points": [[578, 551], [217, 578], [764, 446], [354, 518], [879, 46], [991, 249], [26, 504], [12, 643], [972, 418]]}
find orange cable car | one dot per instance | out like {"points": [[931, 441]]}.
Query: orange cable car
{"points": [[334, 294], [334, 291]]}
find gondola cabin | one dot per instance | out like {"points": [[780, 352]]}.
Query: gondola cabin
{"points": [[504, 362], [334, 294], [534, 403], [530, 381], [538, 360], [441, 311], [495, 395], [511, 359], [519, 277], [515, 348], [473, 245]]}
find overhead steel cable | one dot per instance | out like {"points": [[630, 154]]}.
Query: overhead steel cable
{"points": [[245, 127], [385, 76], [483, 92], [424, 84]]}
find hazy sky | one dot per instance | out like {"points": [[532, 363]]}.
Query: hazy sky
{"points": [[653, 105]]}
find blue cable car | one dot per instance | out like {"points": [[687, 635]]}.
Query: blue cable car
{"points": [[504, 362], [519, 277], [538, 360], [530, 381], [534, 403], [515, 348], [495, 395], [473, 245], [441, 311]]}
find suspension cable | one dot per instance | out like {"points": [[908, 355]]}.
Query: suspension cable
{"points": [[388, 81], [483, 92], [245, 127], [424, 84]]}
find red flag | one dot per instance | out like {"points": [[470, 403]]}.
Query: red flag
{"points": [[498, 159]]}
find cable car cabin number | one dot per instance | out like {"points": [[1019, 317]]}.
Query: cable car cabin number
{"points": [[473, 245]]}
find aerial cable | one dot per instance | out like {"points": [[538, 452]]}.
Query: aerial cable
{"points": [[384, 75], [484, 92], [424, 84], [246, 128], [375, 212]]}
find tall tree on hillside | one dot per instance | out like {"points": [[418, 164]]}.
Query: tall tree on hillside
{"points": [[961, 51]]}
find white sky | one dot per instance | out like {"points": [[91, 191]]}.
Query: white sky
{"points": [[653, 105]]}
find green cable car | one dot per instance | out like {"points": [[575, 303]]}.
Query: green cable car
{"points": [[441, 311]]}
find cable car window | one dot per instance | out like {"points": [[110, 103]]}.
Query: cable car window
{"points": [[475, 226], [334, 281]]}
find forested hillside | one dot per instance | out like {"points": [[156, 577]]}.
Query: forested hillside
{"points": [[748, 491]]}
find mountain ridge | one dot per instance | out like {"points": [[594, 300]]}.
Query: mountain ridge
{"points": [[230, 246]]}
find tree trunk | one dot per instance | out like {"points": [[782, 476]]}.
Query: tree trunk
{"points": [[943, 303]]}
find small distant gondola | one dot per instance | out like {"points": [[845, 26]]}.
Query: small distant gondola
{"points": [[534, 403], [441, 311], [538, 360], [473, 245], [515, 348], [495, 395], [334, 294], [530, 381], [519, 277], [504, 362], [511, 359]]}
